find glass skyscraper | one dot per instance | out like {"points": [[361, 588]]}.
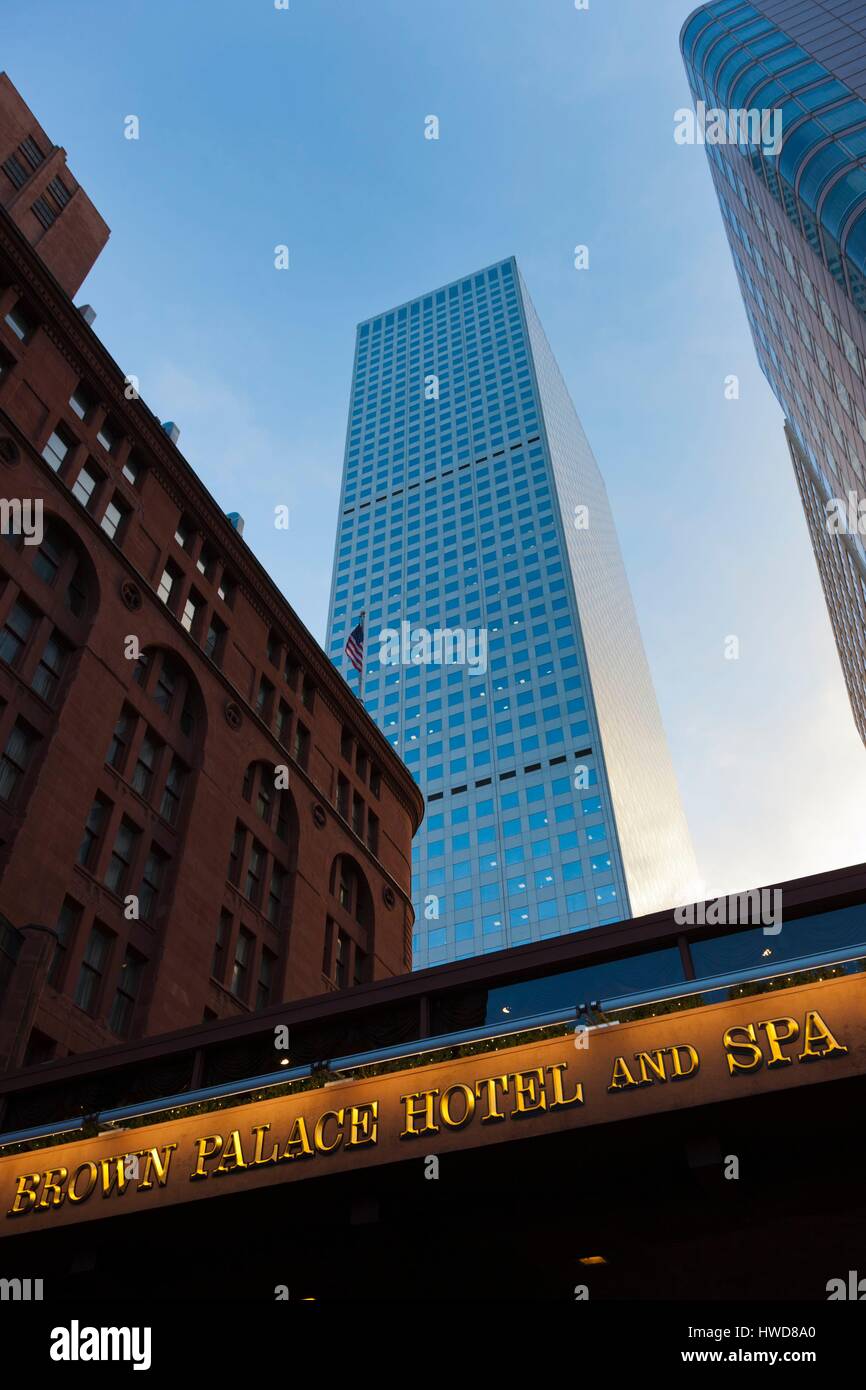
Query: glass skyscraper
{"points": [[472, 503], [795, 217]]}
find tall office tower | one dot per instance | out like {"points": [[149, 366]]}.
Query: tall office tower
{"points": [[795, 215], [551, 801]]}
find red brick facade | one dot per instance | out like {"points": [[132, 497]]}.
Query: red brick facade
{"points": [[190, 796]]}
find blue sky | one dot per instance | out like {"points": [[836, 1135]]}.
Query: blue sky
{"points": [[305, 127]]}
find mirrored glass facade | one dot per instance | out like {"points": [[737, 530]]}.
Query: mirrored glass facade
{"points": [[551, 801], [795, 217]]}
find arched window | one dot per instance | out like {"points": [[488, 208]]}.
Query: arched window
{"points": [[48, 597], [348, 954], [60, 562], [173, 689], [264, 850], [55, 577], [350, 888], [155, 747], [273, 806]]}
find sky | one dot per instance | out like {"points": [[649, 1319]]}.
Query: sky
{"points": [[261, 127]]}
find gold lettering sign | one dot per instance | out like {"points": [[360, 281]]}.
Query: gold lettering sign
{"points": [[546, 1086]]}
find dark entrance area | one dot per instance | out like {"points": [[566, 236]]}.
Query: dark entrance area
{"points": [[648, 1198]]}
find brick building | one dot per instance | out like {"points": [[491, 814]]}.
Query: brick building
{"points": [[197, 818]]}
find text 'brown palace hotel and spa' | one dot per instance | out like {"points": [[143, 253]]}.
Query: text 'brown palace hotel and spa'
{"points": [[205, 941]]}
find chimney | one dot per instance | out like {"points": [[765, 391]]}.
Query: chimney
{"points": [[237, 521], [172, 430], [87, 312]]}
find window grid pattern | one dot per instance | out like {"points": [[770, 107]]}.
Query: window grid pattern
{"points": [[796, 225], [450, 520]]}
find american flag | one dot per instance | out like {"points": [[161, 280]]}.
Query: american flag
{"points": [[354, 648]]}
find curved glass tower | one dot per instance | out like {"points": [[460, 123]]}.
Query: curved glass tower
{"points": [[472, 505], [795, 217]]}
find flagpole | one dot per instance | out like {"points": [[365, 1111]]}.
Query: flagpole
{"points": [[363, 671]]}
